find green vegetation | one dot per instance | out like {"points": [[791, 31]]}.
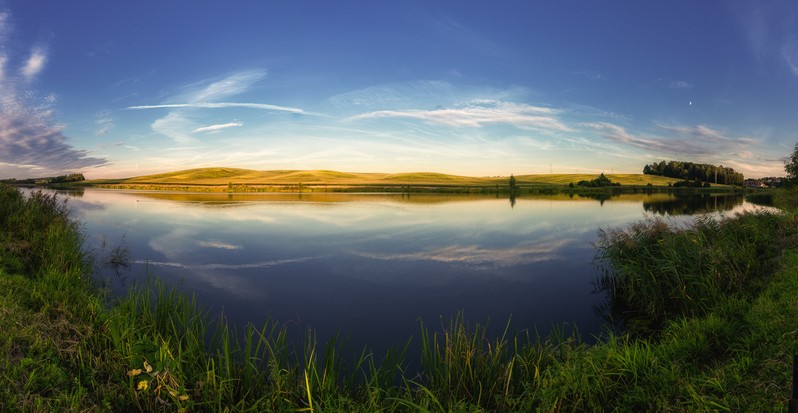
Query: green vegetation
{"points": [[692, 184], [791, 167], [709, 313], [45, 181], [688, 171], [599, 182]]}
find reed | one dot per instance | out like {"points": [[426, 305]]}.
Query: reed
{"points": [[654, 271]]}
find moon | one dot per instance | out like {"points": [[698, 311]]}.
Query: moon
{"points": [[691, 103]]}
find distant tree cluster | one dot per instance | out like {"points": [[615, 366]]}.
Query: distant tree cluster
{"points": [[602, 180], [696, 172], [48, 180]]}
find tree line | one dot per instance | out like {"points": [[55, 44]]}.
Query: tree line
{"points": [[48, 180], [695, 172]]}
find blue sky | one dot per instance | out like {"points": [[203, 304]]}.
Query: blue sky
{"points": [[116, 89]]}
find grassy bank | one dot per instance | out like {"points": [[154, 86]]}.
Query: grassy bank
{"points": [[709, 314]]}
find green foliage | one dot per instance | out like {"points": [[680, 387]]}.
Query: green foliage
{"points": [[601, 181], [691, 184], [791, 167], [48, 180], [513, 182], [689, 171]]}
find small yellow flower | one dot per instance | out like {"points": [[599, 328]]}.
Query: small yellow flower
{"points": [[143, 385], [147, 366], [183, 397], [134, 372]]}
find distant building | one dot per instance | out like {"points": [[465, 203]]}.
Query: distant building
{"points": [[754, 183], [773, 182]]}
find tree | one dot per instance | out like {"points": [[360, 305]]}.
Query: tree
{"points": [[513, 182], [791, 166]]}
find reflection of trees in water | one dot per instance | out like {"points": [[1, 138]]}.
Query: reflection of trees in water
{"points": [[71, 192], [692, 204]]}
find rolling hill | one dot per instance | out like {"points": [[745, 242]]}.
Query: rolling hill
{"points": [[236, 176]]}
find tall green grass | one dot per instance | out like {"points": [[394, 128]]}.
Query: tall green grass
{"points": [[655, 272]]}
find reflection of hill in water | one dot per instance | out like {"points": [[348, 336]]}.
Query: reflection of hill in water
{"points": [[658, 203], [221, 199], [319, 197], [693, 204]]}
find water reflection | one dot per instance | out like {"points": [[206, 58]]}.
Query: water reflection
{"points": [[694, 204], [370, 265]]}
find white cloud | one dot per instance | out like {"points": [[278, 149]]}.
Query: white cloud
{"points": [[217, 128], [770, 30], [229, 86], [5, 26], [31, 141], [590, 75], [183, 120], [104, 122], [220, 105], [620, 135], [680, 84], [479, 113], [789, 52], [35, 63], [485, 258], [175, 126], [219, 245], [702, 133], [2, 68], [701, 144]]}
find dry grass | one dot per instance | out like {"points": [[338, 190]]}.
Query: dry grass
{"points": [[226, 176]]}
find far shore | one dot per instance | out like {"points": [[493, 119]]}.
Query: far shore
{"points": [[234, 180]]}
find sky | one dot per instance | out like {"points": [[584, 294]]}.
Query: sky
{"points": [[477, 88]]}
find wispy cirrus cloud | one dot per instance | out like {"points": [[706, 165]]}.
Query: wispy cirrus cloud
{"points": [[589, 74], [475, 256], [699, 143], [705, 134], [680, 84], [183, 118], [219, 245], [104, 122], [619, 134], [217, 128], [32, 143], [700, 140], [479, 113], [771, 30], [231, 85], [220, 105]]}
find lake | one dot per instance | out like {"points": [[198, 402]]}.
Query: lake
{"points": [[370, 266]]}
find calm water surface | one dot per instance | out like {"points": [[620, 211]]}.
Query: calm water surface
{"points": [[369, 266]]}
